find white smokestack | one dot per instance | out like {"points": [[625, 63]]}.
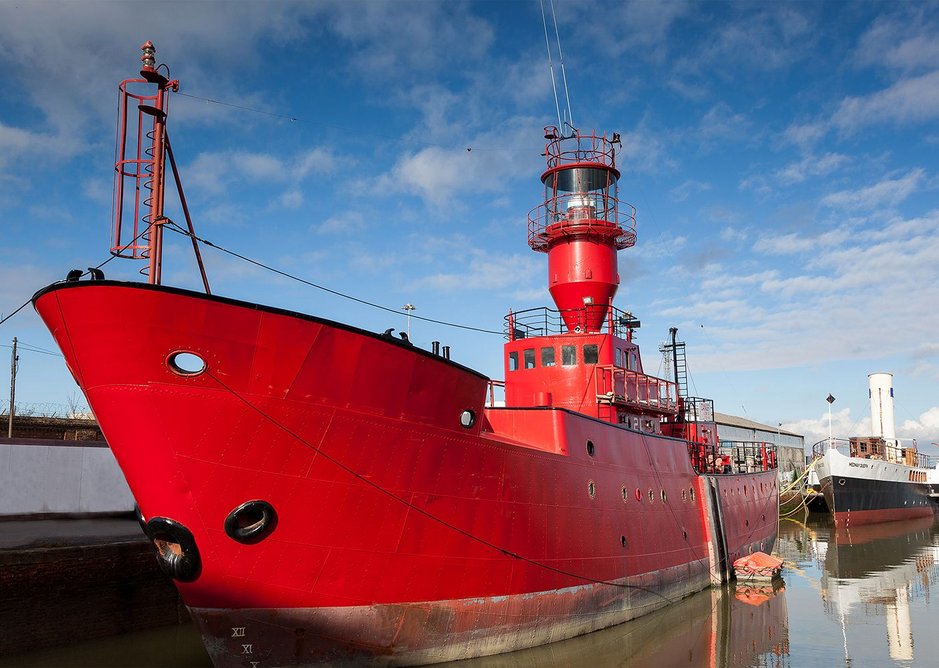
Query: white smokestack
{"points": [[881, 393]]}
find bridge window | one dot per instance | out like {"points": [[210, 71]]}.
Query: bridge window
{"points": [[547, 356], [617, 357], [529, 354], [513, 361], [569, 355], [591, 353]]}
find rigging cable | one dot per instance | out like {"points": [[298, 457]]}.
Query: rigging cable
{"points": [[570, 113], [554, 85], [84, 273], [171, 225], [410, 505], [238, 106]]}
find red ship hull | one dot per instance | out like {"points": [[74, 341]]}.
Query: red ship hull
{"points": [[402, 536]]}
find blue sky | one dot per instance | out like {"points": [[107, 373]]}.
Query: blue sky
{"points": [[781, 156]]}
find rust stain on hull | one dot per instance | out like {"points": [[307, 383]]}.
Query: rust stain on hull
{"points": [[432, 632]]}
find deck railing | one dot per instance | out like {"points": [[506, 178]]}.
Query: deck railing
{"points": [[885, 451], [749, 456], [617, 385], [543, 321], [494, 386]]}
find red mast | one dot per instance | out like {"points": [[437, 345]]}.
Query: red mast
{"points": [[139, 167], [581, 225]]}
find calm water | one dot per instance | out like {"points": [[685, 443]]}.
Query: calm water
{"points": [[858, 598]]}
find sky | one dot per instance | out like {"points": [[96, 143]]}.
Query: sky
{"points": [[782, 158]]}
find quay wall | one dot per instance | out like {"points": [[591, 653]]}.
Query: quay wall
{"points": [[60, 595], [50, 477]]}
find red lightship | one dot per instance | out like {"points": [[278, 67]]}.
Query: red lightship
{"points": [[326, 494]]}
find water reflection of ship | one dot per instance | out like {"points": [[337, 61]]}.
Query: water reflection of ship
{"points": [[722, 626], [885, 565]]}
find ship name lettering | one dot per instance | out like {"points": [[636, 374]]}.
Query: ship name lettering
{"points": [[247, 649], [238, 631], [860, 466]]}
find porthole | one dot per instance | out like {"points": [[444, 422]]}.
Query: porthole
{"points": [[638, 495], [684, 534], [662, 494], [747, 522], [467, 419], [684, 495], [744, 490], [622, 541], [590, 448], [691, 493], [841, 481], [625, 493], [185, 363], [591, 489], [651, 496]]}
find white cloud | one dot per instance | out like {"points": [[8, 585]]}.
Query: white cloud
{"points": [[257, 166], [888, 192], [810, 165], [757, 183], [643, 151], [902, 41], [291, 199], [817, 429], [433, 172], [805, 135], [344, 223], [926, 350], [721, 123], [924, 428], [407, 39], [215, 171], [836, 296], [319, 160], [730, 233], [15, 142], [486, 272], [632, 26], [787, 244], [912, 100], [688, 188], [438, 173]]}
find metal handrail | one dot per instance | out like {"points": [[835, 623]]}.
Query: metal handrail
{"points": [[579, 148], [891, 453], [625, 386], [592, 213], [544, 321], [750, 456]]}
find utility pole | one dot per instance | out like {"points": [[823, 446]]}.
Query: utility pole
{"points": [[408, 308], [830, 400], [14, 362]]}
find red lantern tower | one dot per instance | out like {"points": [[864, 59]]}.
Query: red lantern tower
{"points": [[581, 356], [581, 225]]}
